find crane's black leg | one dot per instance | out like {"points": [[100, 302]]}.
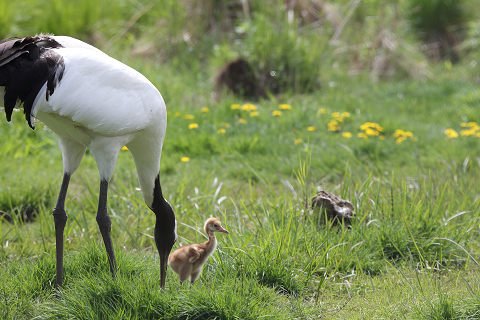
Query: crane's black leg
{"points": [[60, 218], [105, 225]]}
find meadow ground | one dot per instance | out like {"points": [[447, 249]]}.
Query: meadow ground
{"points": [[412, 251]]}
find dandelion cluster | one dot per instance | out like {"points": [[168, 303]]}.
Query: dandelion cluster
{"points": [[469, 129], [370, 129], [281, 108], [337, 122], [401, 135], [338, 118], [367, 130], [249, 107]]}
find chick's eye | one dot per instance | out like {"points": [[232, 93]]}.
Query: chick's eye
{"points": [[215, 225]]}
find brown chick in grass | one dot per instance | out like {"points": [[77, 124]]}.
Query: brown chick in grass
{"points": [[188, 260]]}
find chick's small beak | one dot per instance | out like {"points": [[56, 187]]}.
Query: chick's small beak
{"points": [[222, 229]]}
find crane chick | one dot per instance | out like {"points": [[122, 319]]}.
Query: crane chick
{"points": [[188, 260]]}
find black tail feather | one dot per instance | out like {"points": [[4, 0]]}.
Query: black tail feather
{"points": [[25, 66]]}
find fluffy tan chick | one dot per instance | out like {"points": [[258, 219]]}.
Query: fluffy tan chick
{"points": [[188, 260]]}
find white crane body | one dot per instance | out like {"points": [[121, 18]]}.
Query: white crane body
{"points": [[91, 100]]}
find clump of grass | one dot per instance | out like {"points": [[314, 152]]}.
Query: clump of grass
{"points": [[442, 310], [276, 272], [280, 56], [92, 293], [18, 204], [441, 24]]}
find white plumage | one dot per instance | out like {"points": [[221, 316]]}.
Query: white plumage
{"points": [[117, 106], [91, 100]]}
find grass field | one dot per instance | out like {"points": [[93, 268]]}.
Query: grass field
{"points": [[404, 152]]}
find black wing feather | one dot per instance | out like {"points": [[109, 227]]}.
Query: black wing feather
{"points": [[25, 66]]}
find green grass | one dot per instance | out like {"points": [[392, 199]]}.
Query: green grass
{"points": [[412, 251]]}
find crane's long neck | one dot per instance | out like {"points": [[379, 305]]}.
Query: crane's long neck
{"points": [[165, 228]]}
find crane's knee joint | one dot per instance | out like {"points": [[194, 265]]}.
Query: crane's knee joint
{"points": [[104, 221], [59, 216]]}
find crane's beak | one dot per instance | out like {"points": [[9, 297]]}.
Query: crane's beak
{"points": [[163, 269]]}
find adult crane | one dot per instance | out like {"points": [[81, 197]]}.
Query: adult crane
{"points": [[90, 100]]}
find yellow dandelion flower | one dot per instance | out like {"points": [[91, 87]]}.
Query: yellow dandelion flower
{"points": [[333, 125], [371, 132], [276, 113], [470, 124], [177, 114], [221, 131], [371, 125], [204, 110], [124, 148], [184, 159], [402, 134], [398, 133], [242, 121], [336, 115], [468, 132], [451, 133], [285, 106], [235, 106], [311, 128], [297, 141], [400, 139], [362, 135], [192, 126], [188, 116], [254, 114], [249, 107], [340, 116], [347, 134]]}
